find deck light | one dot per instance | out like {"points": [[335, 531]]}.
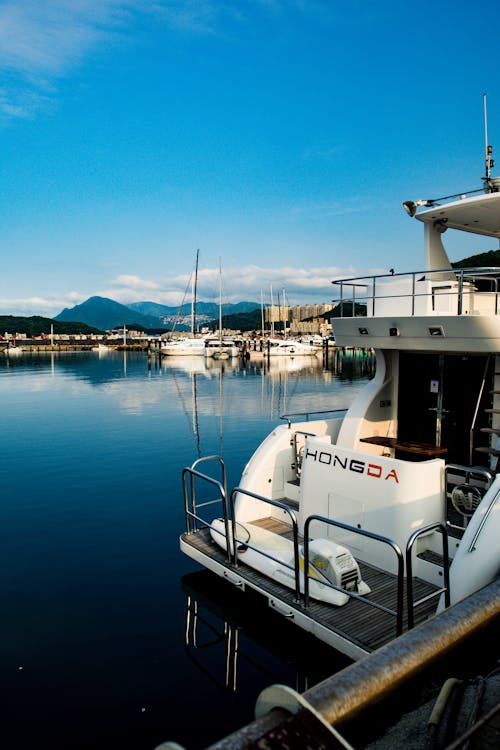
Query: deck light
{"points": [[436, 331], [411, 206], [363, 331], [393, 331]]}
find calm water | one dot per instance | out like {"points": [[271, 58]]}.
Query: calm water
{"points": [[96, 649]]}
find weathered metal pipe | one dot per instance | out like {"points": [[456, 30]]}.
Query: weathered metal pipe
{"points": [[340, 698]]}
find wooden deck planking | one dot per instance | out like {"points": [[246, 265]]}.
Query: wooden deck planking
{"points": [[367, 627]]}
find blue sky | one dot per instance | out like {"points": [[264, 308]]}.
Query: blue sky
{"points": [[279, 137]]}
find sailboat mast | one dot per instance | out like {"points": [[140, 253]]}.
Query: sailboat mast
{"points": [[272, 311], [193, 300], [220, 300], [284, 314]]}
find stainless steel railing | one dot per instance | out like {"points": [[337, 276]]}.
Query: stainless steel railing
{"points": [[398, 613], [308, 414], [358, 296], [411, 604]]}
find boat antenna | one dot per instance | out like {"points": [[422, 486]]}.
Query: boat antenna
{"points": [[488, 150]]}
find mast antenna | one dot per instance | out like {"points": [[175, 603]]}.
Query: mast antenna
{"points": [[488, 150]]}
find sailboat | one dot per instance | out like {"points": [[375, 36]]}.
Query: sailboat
{"points": [[221, 347], [187, 346]]}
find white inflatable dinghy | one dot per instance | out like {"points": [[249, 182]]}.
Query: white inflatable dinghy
{"points": [[329, 562]]}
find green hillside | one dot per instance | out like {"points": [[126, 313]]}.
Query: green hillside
{"points": [[491, 259], [36, 325], [244, 321]]}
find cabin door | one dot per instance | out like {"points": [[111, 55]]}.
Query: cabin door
{"points": [[417, 402], [466, 390], [438, 397]]}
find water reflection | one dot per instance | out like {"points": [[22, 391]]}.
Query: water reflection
{"points": [[92, 508], [234, 639]]}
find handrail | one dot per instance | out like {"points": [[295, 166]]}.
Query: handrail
{"points": [[362, 532], [295, 530], [476, 411], [308, 414], [295, 450], [296, 566], [469, 471], [409, 571], [205, 459], [483, 521], [471, 270], [462, 276], [191, 516]]}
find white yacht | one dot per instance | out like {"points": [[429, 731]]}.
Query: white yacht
{"points": [[222, 348], [12, 349], [358, 524], [183, 347], [101, 348], [292, 348]]}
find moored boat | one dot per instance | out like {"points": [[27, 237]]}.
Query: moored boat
{"points": [[12, 349], [221, 348], [292, 348], [183, 347], [404, 480]]}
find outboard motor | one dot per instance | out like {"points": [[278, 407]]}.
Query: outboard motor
{"points": [[338, 565]]}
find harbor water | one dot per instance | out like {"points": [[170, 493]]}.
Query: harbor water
{"points": [[109, 637]]}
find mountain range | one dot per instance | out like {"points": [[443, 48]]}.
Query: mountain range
{"points": [[106, 314]]}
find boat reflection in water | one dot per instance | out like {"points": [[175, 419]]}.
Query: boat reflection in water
{"points": [[236, 642]]}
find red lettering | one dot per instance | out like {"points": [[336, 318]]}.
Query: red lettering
{"points": [[392, 475], [374, 471]]}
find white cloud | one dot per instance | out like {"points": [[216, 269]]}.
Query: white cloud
{"points": [[301, 285], [135, 282], [42, 41], [239, 283], [46, 306]]}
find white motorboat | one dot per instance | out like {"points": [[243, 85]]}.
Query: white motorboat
{"points": [[221, 348], [13, 350], [183, 347], [400, 491], [292, 348]]}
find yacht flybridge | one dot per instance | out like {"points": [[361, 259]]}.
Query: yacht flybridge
{"points": [[359, 524]]}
